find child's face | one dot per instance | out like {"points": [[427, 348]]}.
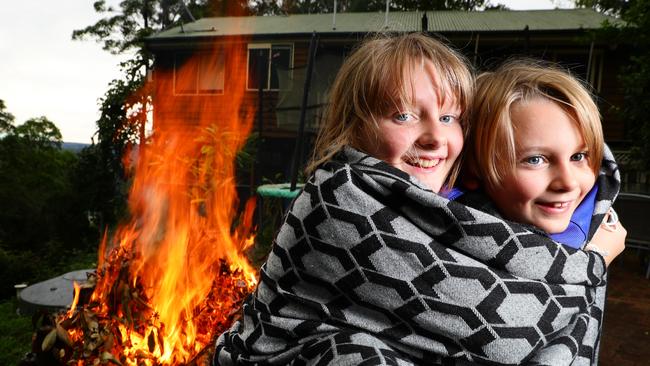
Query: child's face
{"points": [[422, 140], [552, 174]]}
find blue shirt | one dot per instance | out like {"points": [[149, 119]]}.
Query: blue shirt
{"points": [[575, 234]]}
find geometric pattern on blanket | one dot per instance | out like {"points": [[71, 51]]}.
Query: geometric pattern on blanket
{"points": [[372, 268]]}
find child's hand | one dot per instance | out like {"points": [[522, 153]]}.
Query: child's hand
{"points": [[609, 239]]}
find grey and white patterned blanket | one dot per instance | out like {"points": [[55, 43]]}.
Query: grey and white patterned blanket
{"points": [[372, 268]]}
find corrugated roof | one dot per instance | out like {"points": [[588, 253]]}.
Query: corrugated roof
{"points": [[439, 21]]}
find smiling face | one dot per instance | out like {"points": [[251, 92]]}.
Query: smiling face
{"points": [[552, 173], [423, 139]]}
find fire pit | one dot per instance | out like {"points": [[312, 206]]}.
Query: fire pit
{"points": [[171, 277], [51, 295]]}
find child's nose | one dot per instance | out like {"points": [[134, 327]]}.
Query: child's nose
{"points": [[564, 178], [432, 135]]}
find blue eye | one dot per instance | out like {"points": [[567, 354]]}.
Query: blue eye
{"points": [[579, 156], [534, 160], [403, 117], [446, 119]]}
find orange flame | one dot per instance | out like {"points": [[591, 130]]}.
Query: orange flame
{"points": [[183, 203], [75, 299]]}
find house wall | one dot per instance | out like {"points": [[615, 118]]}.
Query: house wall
{"points": [[610, 98], [571, 50], [171, 106], [279, 130]]}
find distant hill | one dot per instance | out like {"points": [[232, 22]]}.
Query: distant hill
{"points": [[73, 146]]}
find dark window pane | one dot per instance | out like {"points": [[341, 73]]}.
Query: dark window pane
{"points": [[185, 74], [280, 63], [257, 57]]}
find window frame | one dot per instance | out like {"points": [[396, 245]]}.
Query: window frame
{"points": [[200, 55], [268, 46]]}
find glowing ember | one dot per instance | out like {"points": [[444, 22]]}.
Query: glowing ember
{"points": [[173, 277]]}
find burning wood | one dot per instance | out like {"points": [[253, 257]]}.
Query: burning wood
{"points": [[175, 274], [127, 330]]}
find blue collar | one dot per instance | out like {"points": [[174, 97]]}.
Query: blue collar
{"points": [[575, 234]]}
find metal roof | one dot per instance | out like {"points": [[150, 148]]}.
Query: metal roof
{"points": [[439, 21]]}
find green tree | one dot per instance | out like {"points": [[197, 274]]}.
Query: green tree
{"points": [[124, 29], [33, 171], [612, 7], [42, 216], [6, 119], [40, 132], [635, 75], [118, 130]]}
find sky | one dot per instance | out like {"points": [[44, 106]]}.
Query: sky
{"points": [[43, 72]]}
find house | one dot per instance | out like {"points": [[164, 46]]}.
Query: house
{"points": [[275, 50]]}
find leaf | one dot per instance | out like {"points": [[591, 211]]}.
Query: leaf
{"points": [[62, 334], [107, 356], [161, 339], [207, 149], [109, 341], [88, 316], [49, 340], [151, 341], [93, 326]]}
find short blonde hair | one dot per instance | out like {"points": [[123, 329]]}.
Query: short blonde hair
{"points": [[373, 81], [491, 145]]}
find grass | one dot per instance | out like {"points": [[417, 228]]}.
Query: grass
{"points": [[15, 334]]}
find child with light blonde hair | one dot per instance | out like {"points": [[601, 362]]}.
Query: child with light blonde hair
{"points": [[373, 266], [536, 148]]}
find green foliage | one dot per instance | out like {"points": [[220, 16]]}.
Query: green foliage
{"points": [[35, 180], [6, 119], [15, 334], [611, 7], [50, 259], [270, 214], [42, 213], [123, 29], [118, 131], [40, 132]]}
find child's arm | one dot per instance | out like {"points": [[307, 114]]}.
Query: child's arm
{"points": [[608, 241]]}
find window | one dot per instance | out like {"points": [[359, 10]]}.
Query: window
{"points": [[199, 73], [275, 65]]}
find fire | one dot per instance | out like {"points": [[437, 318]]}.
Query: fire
{"points": [[75, 299], [172, 277]]}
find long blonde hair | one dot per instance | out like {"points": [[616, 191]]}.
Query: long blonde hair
{"points": [[491, 145], [373, 81]]}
